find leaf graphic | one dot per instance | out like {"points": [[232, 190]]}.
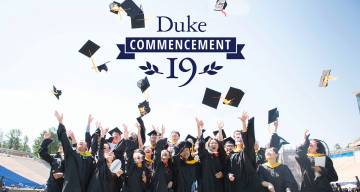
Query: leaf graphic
{"points": [[149, 72], [156, 69], [218, 67], [206, 68], [143, 67], [213, 65], [211, 72], [148, 65]]}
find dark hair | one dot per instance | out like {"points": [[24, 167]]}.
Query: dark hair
{"points": [[320, 146], [176, 132]]}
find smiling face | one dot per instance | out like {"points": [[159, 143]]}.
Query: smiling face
{"points": [[271, 155], [81, 146], [213, 145], [165, 156], [312, 147], [106, 148], [116, 137], [148, 152], [237, 137], [153, 138], [175, 136], [185, 154], [138, 157], [229, 147]]}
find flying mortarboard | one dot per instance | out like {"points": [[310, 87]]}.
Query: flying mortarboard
{"points": [[131, 9], [144, 108], [56, 92], [211, 98], [325, 78], [138, 21], [102, 67], [220, 5], [273, 115], [233, 97], [143, 84], [115, 130], [89, 48]]}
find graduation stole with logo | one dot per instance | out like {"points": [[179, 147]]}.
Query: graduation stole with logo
{"points": [[149, 160], [191, 162], [238, 149], [272, 165], [85, 154]]}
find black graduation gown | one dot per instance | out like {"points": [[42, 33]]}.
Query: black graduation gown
{"points": [[56, 166], [101, 180], [210, 165], [119, 151], [281, 177], [162, 174], [185, 174], [78, 168], [311, 183], [243, 165], [227, 164], [133, 173]]}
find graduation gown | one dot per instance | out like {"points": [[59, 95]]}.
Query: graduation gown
{"points": [[102, 179], [280, 176], [260, 156], [210, 165], [78, 168], [243, 165], [119, 151], [56, 166], [227, 164], [133, 173], [185, 174], [163, 174], [311, 182]]}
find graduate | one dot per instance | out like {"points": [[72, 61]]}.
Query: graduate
{"points": [[79, 165], [274, 175], [259, 153], [316, 167], [57, 167], [212, 156], [135, 168], [229, 145], [185, 168], [242, 174], [163, 176], [102, 179]]}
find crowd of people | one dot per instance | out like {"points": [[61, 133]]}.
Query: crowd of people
{"points": [[123, 163]]}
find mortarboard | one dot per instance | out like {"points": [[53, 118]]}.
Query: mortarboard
{"points": [[89, 48], [138, 21], [211, 98], [220, 5], [207, 138], [56, 92], [182, 145], [229, 140], [131, 9], [153, 132], [115, 130], [273, 115], [233, 97], [276, 141], [102, 67], [358, 99], [144, 108], [115, 7], [217, 131], [191, 139], [325, 78], [143, 84]]}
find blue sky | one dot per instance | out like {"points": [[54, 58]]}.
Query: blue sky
{"points": [[287, 45]]}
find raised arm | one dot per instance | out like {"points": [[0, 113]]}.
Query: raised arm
{"points": [[87, 132], [43, 152], [140, 139], [220, 125], [61, 132], [143, 130]]}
